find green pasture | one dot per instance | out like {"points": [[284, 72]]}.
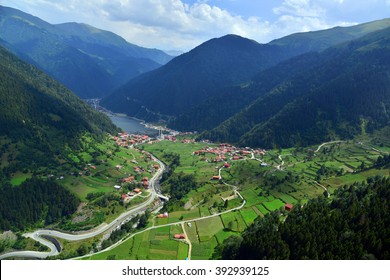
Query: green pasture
{"points": [[252, 197], [182, 251], [203, 250], [249, 215], [262, 209], [224, 234], [207, 228], [178, 216], [18, 178], [192, 232], [233, 221]]}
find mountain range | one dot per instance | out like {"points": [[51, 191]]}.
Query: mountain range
{"points": [[301, 89], [89, 61], [339, 93]]}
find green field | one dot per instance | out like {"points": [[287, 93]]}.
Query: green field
{"points": [[147, 245], [233, 221], [203, 250], [249, 215], [19, 178], [207, 228]]}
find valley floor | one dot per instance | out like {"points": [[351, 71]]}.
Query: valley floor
{"points": [[219, 191]]}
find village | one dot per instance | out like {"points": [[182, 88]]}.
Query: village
{"points": [[224, 153]]}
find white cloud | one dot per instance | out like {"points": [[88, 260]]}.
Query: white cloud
{"points": [[173, 19], [199, 18], [300, 8]]}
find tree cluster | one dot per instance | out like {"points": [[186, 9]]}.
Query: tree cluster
{"points": [[35, 202]]}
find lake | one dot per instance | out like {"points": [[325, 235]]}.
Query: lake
{"points": [[132, 126]]}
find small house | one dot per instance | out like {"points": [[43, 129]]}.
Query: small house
{"points": [[180, 236], [288, 207], [137, 190], [165, 215]]}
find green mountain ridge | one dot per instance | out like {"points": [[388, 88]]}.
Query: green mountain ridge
{"points": [[89, 61], [323, 39]]}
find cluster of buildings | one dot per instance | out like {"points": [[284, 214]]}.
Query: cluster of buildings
{"points": [[126, 140], [227, 151], [126, 197], [137, 190]]}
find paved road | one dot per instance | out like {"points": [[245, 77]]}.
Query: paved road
{"points": [[37, 235]]}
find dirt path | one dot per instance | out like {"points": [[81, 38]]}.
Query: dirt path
{"points": [[187, 240], [327, 143]]}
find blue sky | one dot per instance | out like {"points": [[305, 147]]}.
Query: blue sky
{"points": [[184, 24]]}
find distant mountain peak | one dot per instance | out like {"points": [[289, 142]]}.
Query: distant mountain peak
{"points": [[90, 61]]}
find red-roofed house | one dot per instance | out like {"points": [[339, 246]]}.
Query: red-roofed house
{"points": [[288, 207], [180, 236]]}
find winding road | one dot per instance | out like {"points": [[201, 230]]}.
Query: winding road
{"points": [[39, 234]]}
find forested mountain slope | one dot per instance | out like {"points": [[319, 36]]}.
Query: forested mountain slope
{"points": [[339, 93], [40, 117], [226, 101], [189, 79]]}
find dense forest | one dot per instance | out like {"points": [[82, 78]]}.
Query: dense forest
{"points": [[353, 224], [35, 203], [178, 185]]}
